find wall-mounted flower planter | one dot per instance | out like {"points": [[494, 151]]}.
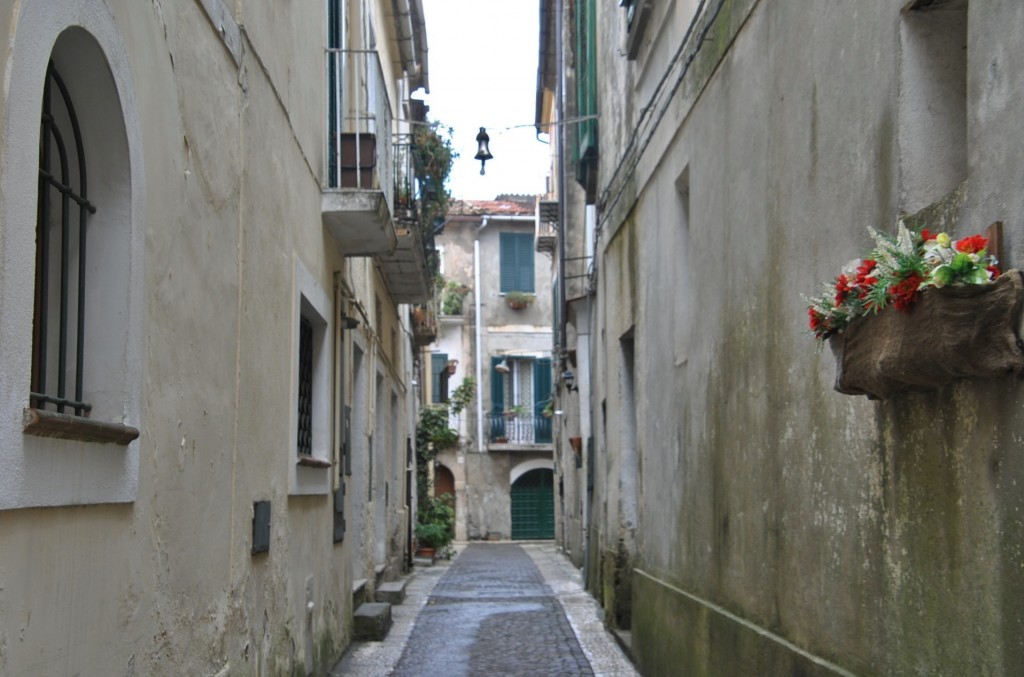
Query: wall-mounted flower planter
{"points": [[952, 333], [518, 300]]}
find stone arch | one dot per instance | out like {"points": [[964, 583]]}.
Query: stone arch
{"points": [[526, 466]]}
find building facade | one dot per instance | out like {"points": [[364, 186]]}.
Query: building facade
{"points": [[205, 401], [495, 330], [716, 160]]}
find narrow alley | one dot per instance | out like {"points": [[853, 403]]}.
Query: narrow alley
{"points": [[494, 609]]}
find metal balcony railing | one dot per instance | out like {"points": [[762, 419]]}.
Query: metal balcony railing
{"points": [[519, 429], [360, 153]]}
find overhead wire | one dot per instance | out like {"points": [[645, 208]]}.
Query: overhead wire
{"points": [[631, 159]]}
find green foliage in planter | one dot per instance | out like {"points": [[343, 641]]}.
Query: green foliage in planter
{"points": [[434, 155], [452, 296], [518, 298], [435, 521]]}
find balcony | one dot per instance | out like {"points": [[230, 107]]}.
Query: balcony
{"points": [[358, 187], [517, 430], [424, 324], [547, 226], [405, 269]]}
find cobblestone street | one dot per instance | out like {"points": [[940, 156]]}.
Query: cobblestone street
{"points": [[496, 609]]}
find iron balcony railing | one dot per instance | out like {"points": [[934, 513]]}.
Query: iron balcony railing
{"points": [[519, 429], [360, 153]]}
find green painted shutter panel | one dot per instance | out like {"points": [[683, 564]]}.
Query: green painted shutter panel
{"points": [[541, 397], [516, 254], [525, 241], [497, 400], [507, 255], [438, 363]]}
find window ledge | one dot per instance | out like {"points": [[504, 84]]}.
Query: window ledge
{"points": [[42, 423], [312, 461]]}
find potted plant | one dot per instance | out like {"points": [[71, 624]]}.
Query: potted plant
{"points": [[452, 296], [515, 410], [435, 523], [954, 315], [517, 300]]}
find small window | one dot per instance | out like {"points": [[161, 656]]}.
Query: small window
{"points": [[304, 441], [517, 262], [638, 13], [311, 387], [58, 331]]}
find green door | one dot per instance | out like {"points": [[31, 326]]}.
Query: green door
{"points": [[533, 506]]}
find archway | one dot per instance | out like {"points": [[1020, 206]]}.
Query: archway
{"points": [[533, 505]]}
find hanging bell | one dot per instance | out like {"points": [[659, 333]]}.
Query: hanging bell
{"points": [[483, 153]]}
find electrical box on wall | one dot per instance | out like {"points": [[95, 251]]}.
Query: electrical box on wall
{"points": [[260, 527]]}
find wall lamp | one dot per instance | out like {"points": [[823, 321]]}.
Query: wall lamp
{"points": [[349, 323], [502, 367], [570, 379]]}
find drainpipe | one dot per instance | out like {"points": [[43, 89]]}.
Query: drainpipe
{"points": [[479, 341]]}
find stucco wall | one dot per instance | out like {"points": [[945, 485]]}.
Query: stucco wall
{"points": [[874, 538], [166, 584]]}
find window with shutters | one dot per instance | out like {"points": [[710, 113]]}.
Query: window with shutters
{"points": [[520, 394], [517, 270]]}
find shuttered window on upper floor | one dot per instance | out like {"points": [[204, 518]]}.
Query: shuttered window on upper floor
{"points": [[517, 262]]}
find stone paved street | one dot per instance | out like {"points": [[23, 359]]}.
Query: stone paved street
{"points": [[497, 609]]}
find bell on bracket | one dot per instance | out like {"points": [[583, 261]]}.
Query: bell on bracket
{"points": [[483, 153]]}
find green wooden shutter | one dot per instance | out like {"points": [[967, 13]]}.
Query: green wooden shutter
{"points": [[438, 363], [541, 397], [497, 400], [584, 146], [516, 256]]}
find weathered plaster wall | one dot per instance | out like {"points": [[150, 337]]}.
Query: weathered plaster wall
{"points": [[166, 584], [784, 527]]}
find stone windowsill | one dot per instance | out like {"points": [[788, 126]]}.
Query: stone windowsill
{"points": [[42, 423]]}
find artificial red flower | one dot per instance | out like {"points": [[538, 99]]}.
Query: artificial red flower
{"points": [[864, 270], [866, 284], [927, 235], [995, 271], [972, 244], [816, 319], [906, 291], [842, 289]]}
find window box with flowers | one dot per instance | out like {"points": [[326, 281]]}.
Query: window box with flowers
{"points": [[953, 315]]}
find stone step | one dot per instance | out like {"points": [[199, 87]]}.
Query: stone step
{"points": [[372, 621], [392, 592]]}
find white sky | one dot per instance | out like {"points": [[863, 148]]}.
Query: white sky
{"points": [[482, 61]]}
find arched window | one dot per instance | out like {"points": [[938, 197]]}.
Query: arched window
{"points": [[58, 331], [71, 260]]}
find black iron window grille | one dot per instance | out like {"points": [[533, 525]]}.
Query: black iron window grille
{"points": [[62, 216], [305, 432]]}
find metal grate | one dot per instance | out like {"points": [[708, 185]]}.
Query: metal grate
{"points": [[305, 432], [63, 208]]}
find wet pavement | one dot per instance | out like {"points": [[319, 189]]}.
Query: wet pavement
{"points": [[497, 609]]}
